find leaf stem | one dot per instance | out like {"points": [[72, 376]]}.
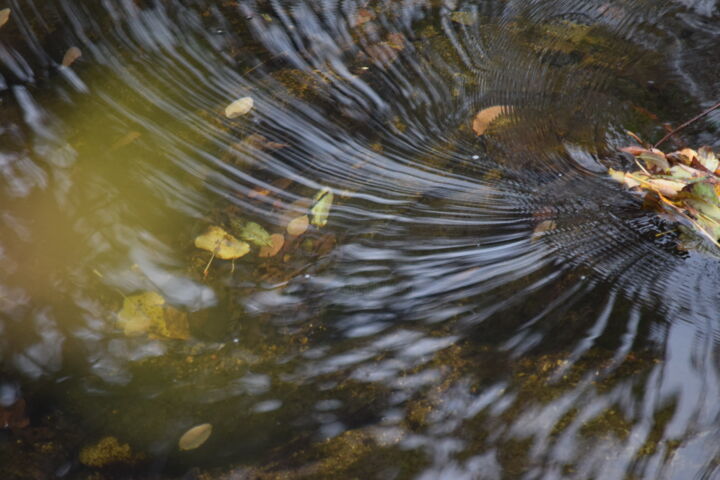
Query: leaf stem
{"points": [[689, 122]]}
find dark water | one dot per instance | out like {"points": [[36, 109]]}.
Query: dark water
{"points": [[431, 329]]}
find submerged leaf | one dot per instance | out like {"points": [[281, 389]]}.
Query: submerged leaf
{"points": [[140, 312], [222, 244], [277, 240], [486, 116], [254, 233], [321, 209], [4, 16], [72, 54], [463, 18], [298, 225], [363, 16], [147, 313], [239, 107], [195, 437]]}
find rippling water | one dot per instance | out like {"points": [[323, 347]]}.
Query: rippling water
{"points": [[476, 307]]}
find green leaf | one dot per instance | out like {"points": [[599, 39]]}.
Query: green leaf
{"points": [[707, 209], [221, 243], [321, 209], [254, 233], [703, 190]]}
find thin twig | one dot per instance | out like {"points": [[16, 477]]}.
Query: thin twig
{"points": [[689, 122]]}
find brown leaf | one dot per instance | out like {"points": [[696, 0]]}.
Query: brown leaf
{"points": [[396, 41], [363, 16], [277, 241], [634, 150], [13, 416], [298, 225], [72, 54], [486, 116]]}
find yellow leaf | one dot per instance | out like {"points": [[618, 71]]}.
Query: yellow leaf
{"points": [[4, 16], [486, 116], [298, 225], [321, 209], [140, 312], [221, 243], [239, 107], [70, 56], [195, 437]]}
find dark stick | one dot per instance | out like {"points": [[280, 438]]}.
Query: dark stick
{"points": [[717, 105]]}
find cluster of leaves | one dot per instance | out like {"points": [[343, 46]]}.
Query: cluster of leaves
{"points": [[685, 183]]}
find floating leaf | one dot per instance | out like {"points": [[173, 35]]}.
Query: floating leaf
{"points": [[139, 312], [4, 16], [239, 107], [298, 225], [686, 185], [254, 233], [195, 437], [277, 240], [321, 209], [486, 116], [222, 244], [72, 54]]}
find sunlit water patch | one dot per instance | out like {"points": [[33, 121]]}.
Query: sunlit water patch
{"points": [[397, 290]]}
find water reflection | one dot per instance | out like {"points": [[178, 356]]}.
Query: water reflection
{"points": [[431, 329]]}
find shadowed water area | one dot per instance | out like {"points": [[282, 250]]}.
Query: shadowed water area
{"points": [[475, 307]]}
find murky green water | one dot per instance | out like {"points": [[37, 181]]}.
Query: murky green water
{"points": [[480, 307]]}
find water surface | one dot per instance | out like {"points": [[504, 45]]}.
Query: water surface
{"points": [[486, 306]]}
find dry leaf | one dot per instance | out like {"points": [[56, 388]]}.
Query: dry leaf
{"points": [[363, 16], [222, 244], [239, 107], [127, 139], [486, 116], [195, 437], [4, 16], [544, 226], [277, 240], [298, 225], [396, 41], [71, 55]]}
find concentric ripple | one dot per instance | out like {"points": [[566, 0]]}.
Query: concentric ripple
{"points": [[476, 307]]}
